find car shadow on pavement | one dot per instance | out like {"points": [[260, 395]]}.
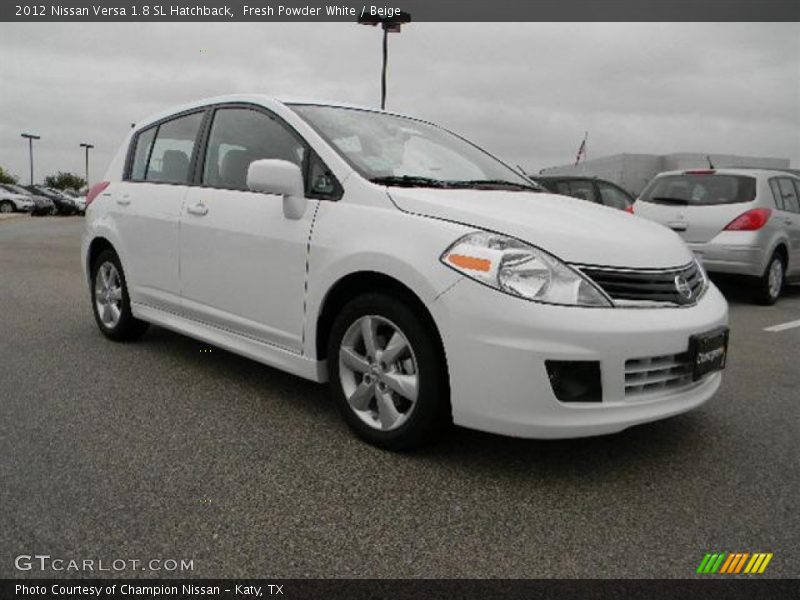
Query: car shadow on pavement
{"points": [[677, 438], [740, 291]]}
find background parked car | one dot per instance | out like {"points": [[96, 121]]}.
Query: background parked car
{"points": [[63, 204], [78, 199], [72, 197], [738, 221], [42, 205], [592, 189], [14, 202]]}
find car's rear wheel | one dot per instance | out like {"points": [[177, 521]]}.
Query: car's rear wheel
{"points": [[387, 373], [770, 284], [6, 207], [110, 301]]}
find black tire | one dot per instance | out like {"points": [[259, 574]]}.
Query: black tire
{"points": [[6, 206], [431, 412], [127, 327], [765, 293]]}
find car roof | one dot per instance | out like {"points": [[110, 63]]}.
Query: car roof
{"points": [[254, 98], [737, 171], [566, 177]]}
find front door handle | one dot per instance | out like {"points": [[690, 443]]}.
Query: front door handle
{"points": [[197, 209]]}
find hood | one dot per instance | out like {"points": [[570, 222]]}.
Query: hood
{"points": [[574, 230]]}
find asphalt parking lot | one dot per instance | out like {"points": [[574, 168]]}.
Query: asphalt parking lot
{"points": [[168, 448]]}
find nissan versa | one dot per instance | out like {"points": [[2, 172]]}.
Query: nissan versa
{"points": [[424, 279]]}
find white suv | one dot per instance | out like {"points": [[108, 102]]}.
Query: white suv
{"points": [[426, 280]]}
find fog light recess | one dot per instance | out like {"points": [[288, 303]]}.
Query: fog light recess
{"points": [[575, 380]]}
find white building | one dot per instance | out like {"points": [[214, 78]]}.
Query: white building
{"points": [[634, 171]]}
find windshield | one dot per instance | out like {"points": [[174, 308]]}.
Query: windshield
{"points": [[398, 150], [700, 189]]}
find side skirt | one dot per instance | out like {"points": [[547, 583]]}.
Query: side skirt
{"points": [[259, 351]]}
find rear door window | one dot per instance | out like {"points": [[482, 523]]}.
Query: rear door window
{"points": [[776, 194], [789, 194], [164, 153], [691, 189]]}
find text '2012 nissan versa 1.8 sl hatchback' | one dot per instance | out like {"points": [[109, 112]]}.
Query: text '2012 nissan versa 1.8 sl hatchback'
{"points": [[424, 279]]}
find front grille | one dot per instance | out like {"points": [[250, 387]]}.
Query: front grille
{"points": [[647, 375], [681, 286]]}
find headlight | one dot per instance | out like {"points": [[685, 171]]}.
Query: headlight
{"points": [[514, 267]]}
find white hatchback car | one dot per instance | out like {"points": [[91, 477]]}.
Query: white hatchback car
{"points": [[426, 280]]}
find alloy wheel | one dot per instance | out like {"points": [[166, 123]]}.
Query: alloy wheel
{"points": [[775, 277], [108, 294], [378, 372]]}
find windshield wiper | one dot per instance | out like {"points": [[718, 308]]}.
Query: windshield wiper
{"points": [[409, 181], [477, 183], [667, 200]]}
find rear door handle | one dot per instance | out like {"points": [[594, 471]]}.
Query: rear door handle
{"points": [[124, 200], [197, 209]]}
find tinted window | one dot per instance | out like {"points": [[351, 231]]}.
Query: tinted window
{"points": [[789, 194], [240, 136], [172, 151], [582, 189], [144, 142], [613, 196], [776, 194], [700, 189]]}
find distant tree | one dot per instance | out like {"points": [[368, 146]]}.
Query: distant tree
{"points": [[65, 181], [6, 177]]}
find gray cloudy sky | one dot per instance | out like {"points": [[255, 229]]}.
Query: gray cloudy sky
{"points": [[525, 91]]}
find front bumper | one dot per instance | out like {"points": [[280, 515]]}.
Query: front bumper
{"points": [[732, 252], [497, 345]]}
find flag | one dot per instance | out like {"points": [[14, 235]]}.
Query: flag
{"points": [[582, 149]]}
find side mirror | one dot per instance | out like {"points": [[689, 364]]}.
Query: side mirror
{"points": [[280, 177]]}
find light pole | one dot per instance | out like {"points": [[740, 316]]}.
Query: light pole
{"points": [[88, 147], [31, 137], [389, 25]]}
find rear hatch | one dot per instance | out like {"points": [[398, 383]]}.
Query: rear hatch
{"points": [[697, 205]]}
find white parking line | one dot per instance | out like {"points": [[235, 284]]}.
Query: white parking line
{"points": [[783, 326]]}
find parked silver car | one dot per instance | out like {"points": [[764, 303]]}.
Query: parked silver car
{"points": [[737, 221], [13, 202], [40, 205]]}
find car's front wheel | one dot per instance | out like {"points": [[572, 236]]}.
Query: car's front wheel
{"points": [[387, 372], [110, 301], [770, 284]]}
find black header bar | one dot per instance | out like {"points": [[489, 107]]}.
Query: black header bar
{"points": [[420, 10]]}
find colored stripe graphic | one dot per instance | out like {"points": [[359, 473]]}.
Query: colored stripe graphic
{"points": [[703, 563], [718, 562], [727, 563], [734, 562]]}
